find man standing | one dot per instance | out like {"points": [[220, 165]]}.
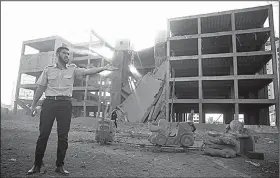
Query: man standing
{"points": [[57, 83]]}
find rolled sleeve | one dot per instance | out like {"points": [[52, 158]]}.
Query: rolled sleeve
{"points": [[43, 79], [80, 71]]}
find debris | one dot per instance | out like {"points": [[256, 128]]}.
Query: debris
{"points": [[223, 145], [253, 163], [226, 153], [255, 155]]}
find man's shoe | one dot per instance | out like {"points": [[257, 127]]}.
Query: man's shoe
{"points": [[33, 170], [61, 170], [43, 169], [37, 169]]}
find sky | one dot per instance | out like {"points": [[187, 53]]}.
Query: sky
{"points": [[137, 21]]}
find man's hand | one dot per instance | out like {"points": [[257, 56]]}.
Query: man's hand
{"points": [[33, 111], [110, 67]]}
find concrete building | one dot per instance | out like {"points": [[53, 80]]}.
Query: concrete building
{"points": [[219, 62], [272, 113], [91, 94], [86, 89]]}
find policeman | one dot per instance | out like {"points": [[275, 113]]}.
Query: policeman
{"points": [[57, 83]]}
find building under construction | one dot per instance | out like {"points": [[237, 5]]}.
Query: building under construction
{"points": [[91, 94], [218, 62], [213, 63]]}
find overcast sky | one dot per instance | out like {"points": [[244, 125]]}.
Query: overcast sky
{"points": [[137, 21]]}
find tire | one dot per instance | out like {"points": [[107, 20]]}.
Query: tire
{"points": [[186, 140], [160, 139]]}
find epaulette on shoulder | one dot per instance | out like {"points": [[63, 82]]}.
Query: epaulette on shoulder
{"points": [[51, 65], [72, 65]]}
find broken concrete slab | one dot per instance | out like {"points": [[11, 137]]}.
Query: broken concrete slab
{"points": [[159, 73], [140, 100]]}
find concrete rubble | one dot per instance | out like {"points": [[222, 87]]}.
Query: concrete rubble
{"points": [[147, 100]]}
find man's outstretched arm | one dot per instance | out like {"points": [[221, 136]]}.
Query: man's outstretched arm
{"points": [[94, 70]]}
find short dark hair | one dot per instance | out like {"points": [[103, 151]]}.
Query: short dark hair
{"points": [[60, 49]]}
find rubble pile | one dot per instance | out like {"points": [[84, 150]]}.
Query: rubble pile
{"points": [[141, 106], [223, 145]]}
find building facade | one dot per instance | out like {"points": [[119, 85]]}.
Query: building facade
{"points": [[218, 61]]}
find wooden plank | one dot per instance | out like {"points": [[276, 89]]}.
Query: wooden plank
{"points": [[220, 13], [207, 35], [274, 65]]}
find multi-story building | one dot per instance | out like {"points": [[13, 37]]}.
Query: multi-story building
{"points": [[90, 95], [219, 63], [269, 68]]}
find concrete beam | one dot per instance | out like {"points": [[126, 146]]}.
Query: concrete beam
{"points": [[229, 77], [221, 55], [221, 13], [240, 101], [206, 35]]}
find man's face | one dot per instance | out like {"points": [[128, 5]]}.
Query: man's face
{"points": [[63, 56]]}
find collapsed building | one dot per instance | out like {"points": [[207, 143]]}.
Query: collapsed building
{"points": [[209, 63]]}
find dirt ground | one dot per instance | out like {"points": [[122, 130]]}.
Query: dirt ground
{"points": [[85, 158]]}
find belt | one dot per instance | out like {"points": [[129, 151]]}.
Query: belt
{"points": [[58, 98]]}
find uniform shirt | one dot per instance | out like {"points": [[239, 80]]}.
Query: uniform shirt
{"points": [[59, 82]]}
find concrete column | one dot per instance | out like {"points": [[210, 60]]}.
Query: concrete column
{"points": [[203, 117], [264, 115], [18, 80]]}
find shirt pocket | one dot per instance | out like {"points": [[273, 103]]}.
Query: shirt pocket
{"points": [[52, 79], [67, 80]]}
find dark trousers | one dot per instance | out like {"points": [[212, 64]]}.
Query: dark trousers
{"points": [[51, 109]]}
